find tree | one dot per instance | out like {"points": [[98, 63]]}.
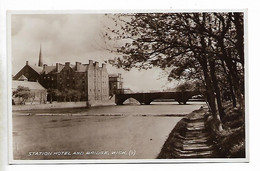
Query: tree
{"points": [[205, 46], [67, 94], [195, 85], [72, 94], [22, 92], [76, 95], [51, 93], [59, 95]]}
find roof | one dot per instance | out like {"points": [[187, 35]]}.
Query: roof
{"points": [[60, 67], [48, 69], [36, 68], [113, 75], [31, 85], [82, 68]]}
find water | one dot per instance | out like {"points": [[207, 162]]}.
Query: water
{"points": [[155, 108], [111, 132]]}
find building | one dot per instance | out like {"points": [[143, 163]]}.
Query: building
{"points": [[68, 82], [38, 94], [115, 84], [128, 91], [89, 79], [31, 72]]}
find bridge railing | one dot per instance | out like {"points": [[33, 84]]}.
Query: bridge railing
{"points": [[147, 98]]}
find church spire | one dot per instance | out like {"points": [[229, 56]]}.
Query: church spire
{"points": [[40, 57]]}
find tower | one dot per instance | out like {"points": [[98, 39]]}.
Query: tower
{"points": [[40, 57]]}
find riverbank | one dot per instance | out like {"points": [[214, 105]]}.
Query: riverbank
{"points": [[189, 139], [195, 136], [230, 141], [61, 105]]}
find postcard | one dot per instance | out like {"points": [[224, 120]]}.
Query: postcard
{"points": [[127, 87]]}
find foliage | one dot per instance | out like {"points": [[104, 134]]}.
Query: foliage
{"points": [[204, 46], [51, 93], [22, 92], [73, 94], [67, 94], [196, 85], [230, 141]]}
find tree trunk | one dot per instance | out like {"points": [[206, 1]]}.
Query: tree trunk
{"points": [[216, 87], [235, 80], [230, 82], [239, 36], [210, 93], [234, 74]]}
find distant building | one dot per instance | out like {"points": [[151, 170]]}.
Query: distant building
{"points": [[128, 91], [31, 72], [115, 84], [89, 80], [38, 94]]}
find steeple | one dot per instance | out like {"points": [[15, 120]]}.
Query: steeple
{"points": [[40, 57]]}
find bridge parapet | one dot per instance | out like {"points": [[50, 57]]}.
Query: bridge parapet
{"points": [[147, 98]]}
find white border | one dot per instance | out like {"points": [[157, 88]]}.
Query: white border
{"points": [[206, 160]]}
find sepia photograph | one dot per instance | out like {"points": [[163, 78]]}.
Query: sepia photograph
{"points": [[162, 86]]}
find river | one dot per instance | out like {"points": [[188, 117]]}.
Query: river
{"points": [[108, 132]]}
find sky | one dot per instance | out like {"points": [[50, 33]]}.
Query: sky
{"points": [[70, 38]]}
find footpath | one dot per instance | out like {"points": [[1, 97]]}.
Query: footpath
{"points": [[189, 139]]}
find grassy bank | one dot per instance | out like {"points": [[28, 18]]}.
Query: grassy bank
{"points": [[231, 140]]}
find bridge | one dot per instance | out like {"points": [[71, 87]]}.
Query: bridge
{"points": [[147, 98]]}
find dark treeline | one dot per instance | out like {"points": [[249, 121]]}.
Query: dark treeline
{"points": [[206, 47], [65, 95]]}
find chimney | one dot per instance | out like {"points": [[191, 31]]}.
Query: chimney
{"points": [[44, 66], [27, 63], [67, 63], [91, 62], [104, 65], [97, 64], [57, 67], [77, 65]]}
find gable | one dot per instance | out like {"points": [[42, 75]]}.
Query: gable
{"points": [[48, 69], [28, 72], [67, 70]]}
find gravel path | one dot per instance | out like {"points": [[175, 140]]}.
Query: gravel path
{"points": [[189, 139]]}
